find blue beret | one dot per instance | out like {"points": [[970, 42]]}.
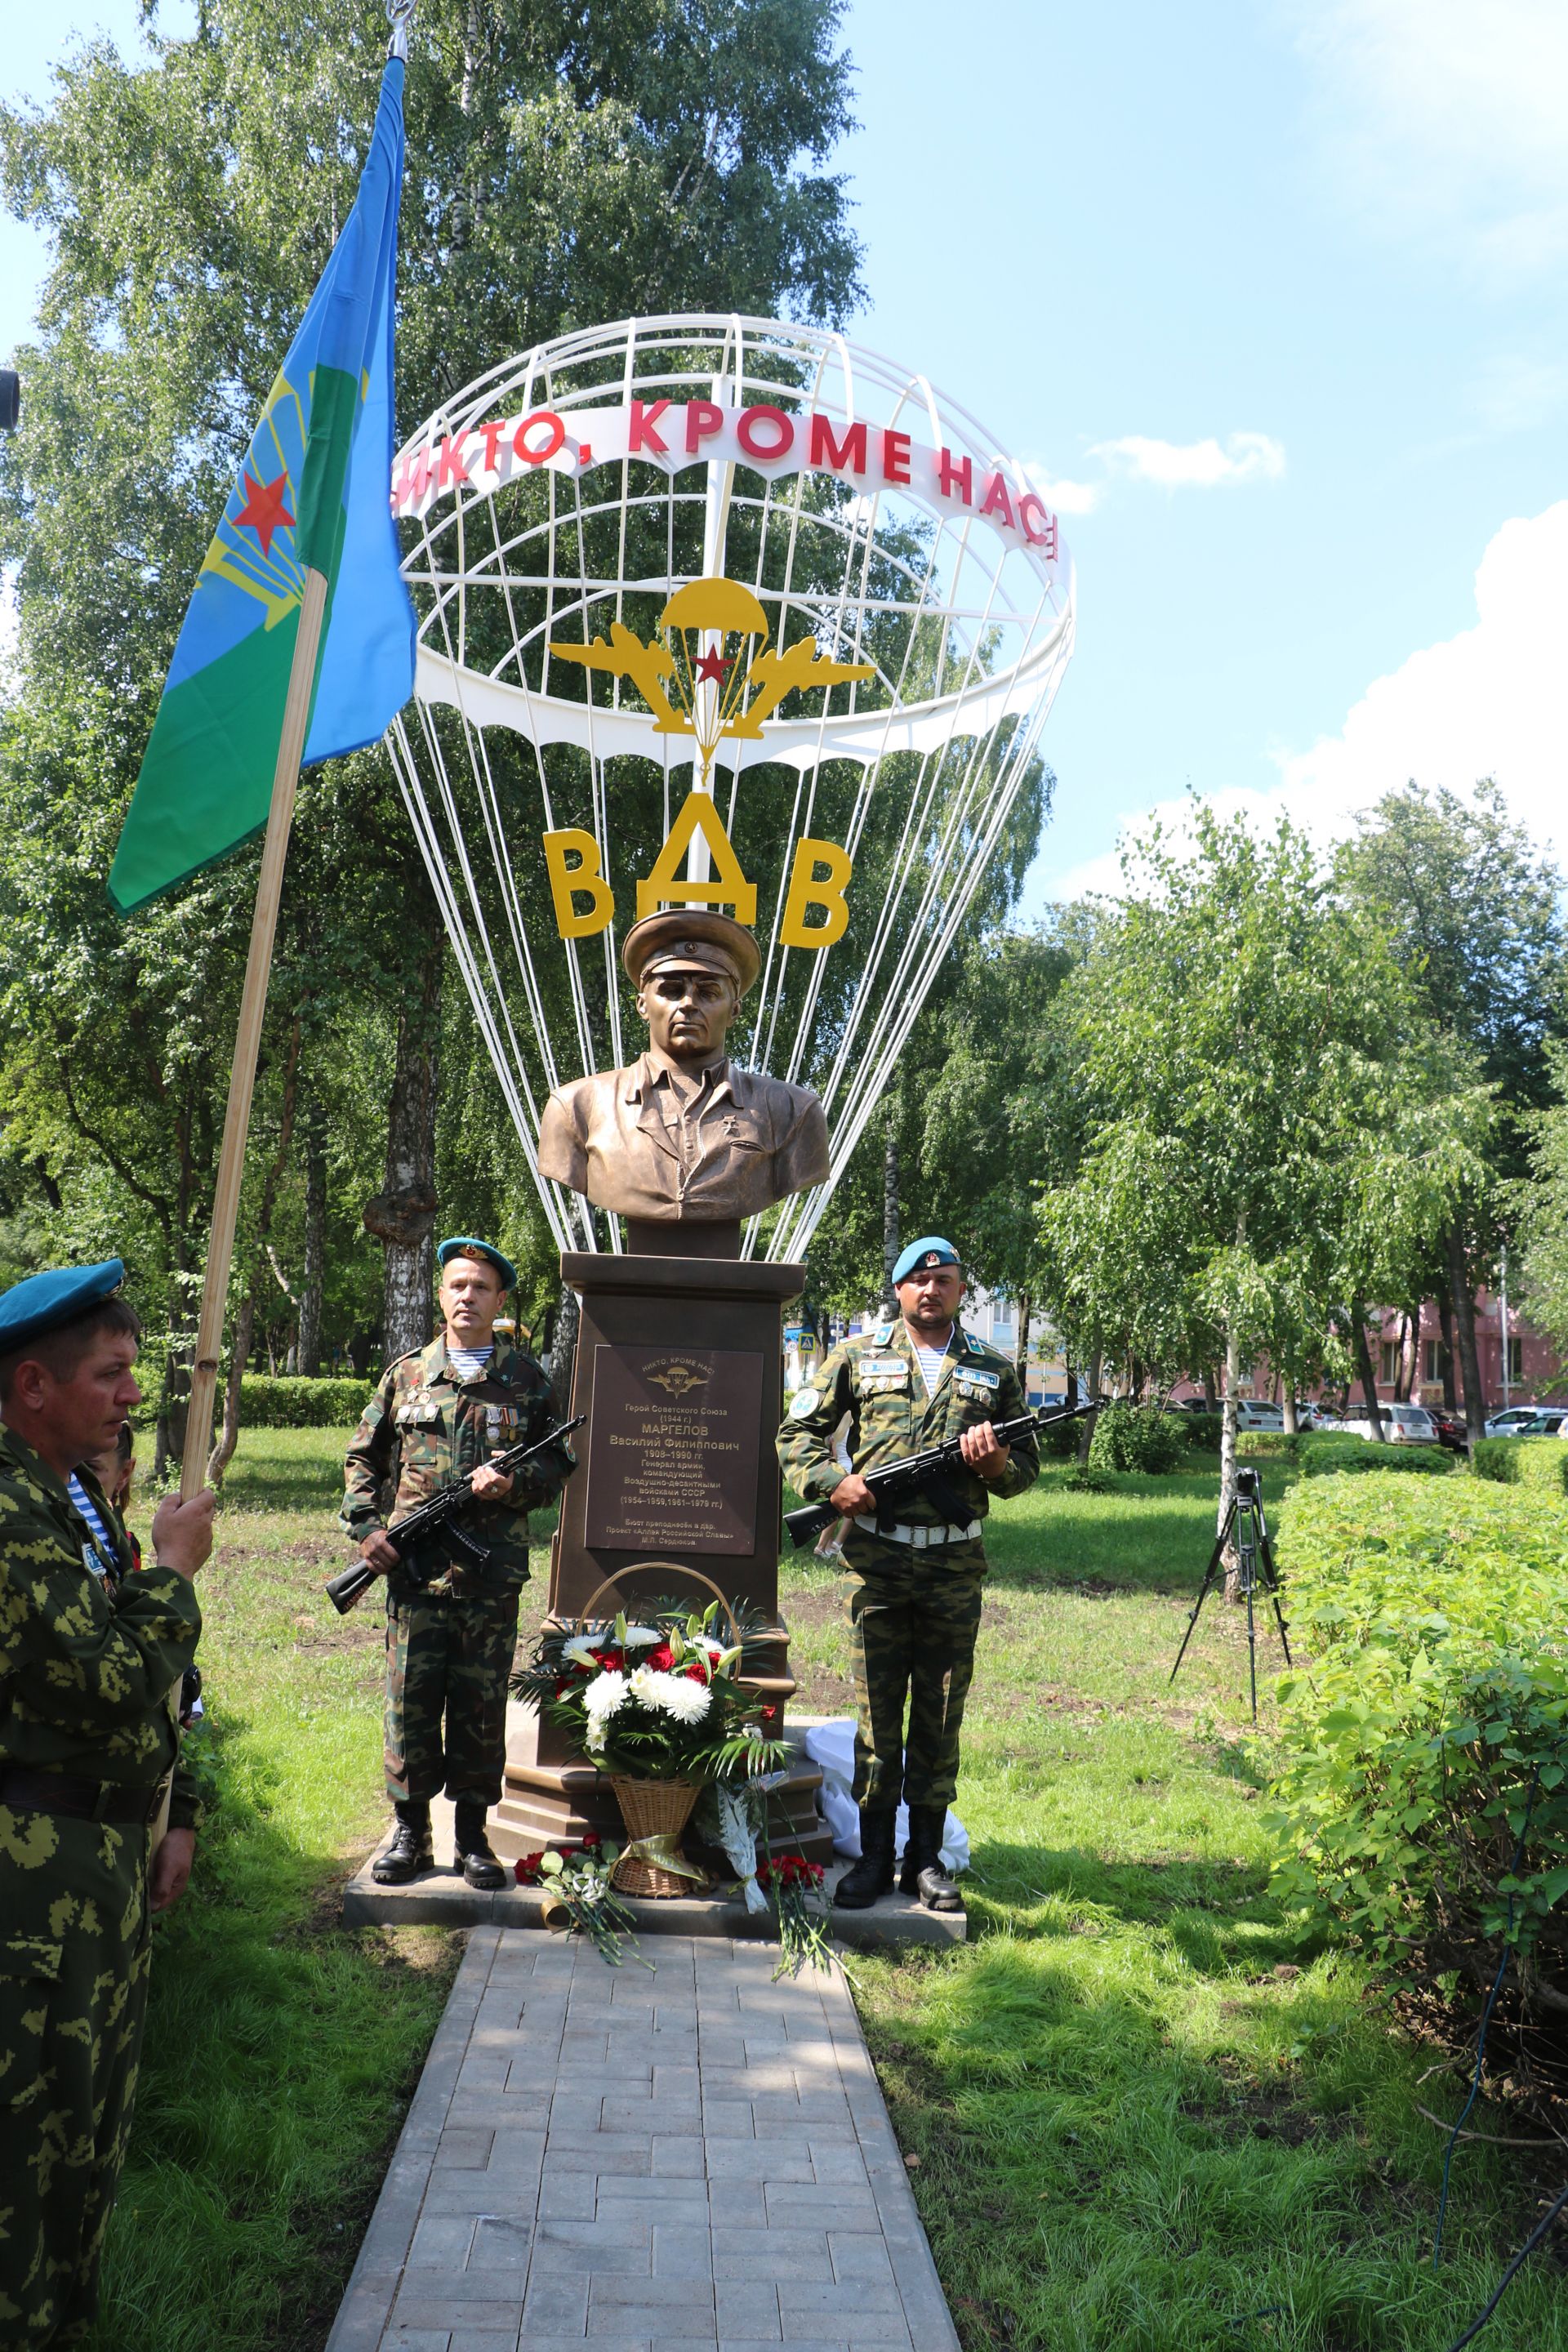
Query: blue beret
{"points": [[930, 1250], [467, 1245], [41, 1304]]}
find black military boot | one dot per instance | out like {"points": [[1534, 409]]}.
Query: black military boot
{"points": [[410, 1853], [924, 1872], [873, 1874], [474, 1858]]}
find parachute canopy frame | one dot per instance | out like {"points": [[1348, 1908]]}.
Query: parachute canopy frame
{"points": [[566, 514]]}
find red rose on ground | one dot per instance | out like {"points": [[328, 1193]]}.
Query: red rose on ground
{"points": [[526, 1870], [592, 1841]]}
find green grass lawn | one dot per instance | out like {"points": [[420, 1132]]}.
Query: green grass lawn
{"points": [[1146, 2116]]}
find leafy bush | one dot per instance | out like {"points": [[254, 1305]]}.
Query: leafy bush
{"points": [[1200, 1431], [1435, 1720], [1135, 1438], [1322, 1455], [268, 1403], [1283, 1445], [1522, 1461], [1060, 1443]]}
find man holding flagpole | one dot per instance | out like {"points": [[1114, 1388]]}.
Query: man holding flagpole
{"points": [[298, 644]]}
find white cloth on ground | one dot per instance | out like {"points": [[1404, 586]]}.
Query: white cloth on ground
{"points": [[831, 1747]]}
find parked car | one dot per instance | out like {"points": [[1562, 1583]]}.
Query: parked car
{"points": [[1403, 1424], [1189, 1404], [1253, 1413], [1450, 1428], [1528, 1420], [1316, 1416]]}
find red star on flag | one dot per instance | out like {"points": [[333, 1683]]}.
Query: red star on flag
{"points": [[264, 509], [711, 667]]}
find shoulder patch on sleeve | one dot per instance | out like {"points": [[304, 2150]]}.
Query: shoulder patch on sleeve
{"points": [[804, 1403]]}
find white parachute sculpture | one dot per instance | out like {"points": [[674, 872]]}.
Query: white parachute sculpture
{"points": [[653, 552]]}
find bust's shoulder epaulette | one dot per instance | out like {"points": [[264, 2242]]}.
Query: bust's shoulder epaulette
{"points": [[973, 1345]]}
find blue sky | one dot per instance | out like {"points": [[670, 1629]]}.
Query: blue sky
{"points": [[1275, 293]]}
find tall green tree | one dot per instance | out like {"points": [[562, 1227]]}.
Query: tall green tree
{"points": [[1473, 912], [1249, 1062], [569, 162]]}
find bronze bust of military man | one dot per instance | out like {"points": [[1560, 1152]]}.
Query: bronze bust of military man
{"points": [[685, 1138]]}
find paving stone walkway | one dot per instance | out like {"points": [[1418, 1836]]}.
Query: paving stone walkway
{"points": [[629, 2162]]}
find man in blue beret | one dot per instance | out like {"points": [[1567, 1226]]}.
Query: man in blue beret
{"points": [[94, 1648], [915, 1599], [451, 1625]]}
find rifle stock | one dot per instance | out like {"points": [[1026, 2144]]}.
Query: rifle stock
{"points": [[915, 1474]]}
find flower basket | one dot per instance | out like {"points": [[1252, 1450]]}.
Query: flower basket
{"points": [[655, 1814], [659, 1706]]}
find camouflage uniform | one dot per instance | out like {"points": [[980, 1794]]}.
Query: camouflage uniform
{"points": [[89, 1675], [914, 1613], [450, 1642]]}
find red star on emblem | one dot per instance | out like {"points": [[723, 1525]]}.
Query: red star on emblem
{"points": [[264, 509], [711, 667]]}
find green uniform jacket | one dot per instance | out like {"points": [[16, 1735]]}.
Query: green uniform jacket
{"points": [[89, 1678], [876, 1380], [425, 1426]]}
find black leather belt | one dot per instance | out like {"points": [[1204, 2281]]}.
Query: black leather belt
{"points": [[78, 1801]]}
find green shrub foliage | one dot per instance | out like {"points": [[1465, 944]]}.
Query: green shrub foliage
{"points": [[1522, 1461], [1201, 1431], [268, 1403], [1322, 1455], [1435, 1719], [1135, 1438]]}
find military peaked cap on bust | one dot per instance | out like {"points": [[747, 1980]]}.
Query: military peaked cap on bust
{"points": [[930, 1250], [691, 938], [45, 1302], [467, 1246]]}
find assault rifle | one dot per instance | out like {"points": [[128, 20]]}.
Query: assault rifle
{"points": [[922, 1474], [439, 1512]]}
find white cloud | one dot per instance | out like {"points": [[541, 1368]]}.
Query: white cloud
{"points": [[1443, 119], [1065, 497], [1194, 464], [1492, 701]]}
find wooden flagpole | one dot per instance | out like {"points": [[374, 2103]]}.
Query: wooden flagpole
{"points": [[247, 1037]]}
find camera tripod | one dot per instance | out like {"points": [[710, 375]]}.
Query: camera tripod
{"points": [[1255, 1570]]}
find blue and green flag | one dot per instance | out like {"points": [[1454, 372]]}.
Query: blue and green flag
{"points": [[313, 493]]}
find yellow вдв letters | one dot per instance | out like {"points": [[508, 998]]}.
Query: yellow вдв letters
{"points": [[728, 887], [584, 880], [819, 877]]}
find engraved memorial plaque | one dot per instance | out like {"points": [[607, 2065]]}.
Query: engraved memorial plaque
{"points": [[673, 1449]]}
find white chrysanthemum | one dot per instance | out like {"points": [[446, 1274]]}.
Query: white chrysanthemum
{"points": [[579, 1651], [604, 1696], [690, 1701], [665, 1693], [642, 1637]]}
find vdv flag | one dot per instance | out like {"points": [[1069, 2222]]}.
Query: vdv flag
{"points": [[313, 493]]}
